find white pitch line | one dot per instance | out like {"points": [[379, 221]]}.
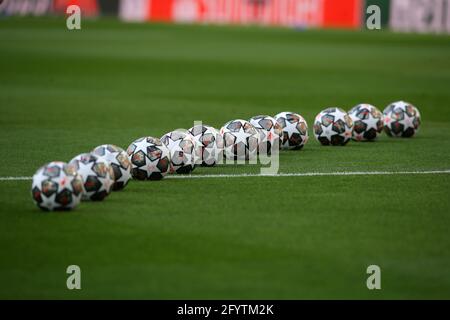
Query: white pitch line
{"points": [[309, 174], [297, 174], [14, 178]]}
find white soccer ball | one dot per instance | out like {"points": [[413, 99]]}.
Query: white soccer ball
{"points": [[119, 161], [240, 140], [97, 174], [57, 186], [182, 150], [333, 126], [209, 145], [270, 133], [150, 159], [401, 119], [367, 122], [294, 130]]}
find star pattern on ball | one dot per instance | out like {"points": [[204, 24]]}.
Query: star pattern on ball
{"points": [[372, 123], [171, 144], [38, 178], [242, 136], [291, 128], [95, 184], [401, 119], [49, 202], [183, 150], [327, 131], [210, 152], [407, 121], [57, 192], [336, 120], [151, 165], [106, 183], [141, 146], [119, 161]]}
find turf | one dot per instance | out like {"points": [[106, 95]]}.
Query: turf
{"points": [[63, 93]]}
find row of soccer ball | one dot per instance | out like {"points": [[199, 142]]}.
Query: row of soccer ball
{"points": [[92, 176]]}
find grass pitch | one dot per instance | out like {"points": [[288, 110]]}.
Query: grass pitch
{"points": [[63, 93]]}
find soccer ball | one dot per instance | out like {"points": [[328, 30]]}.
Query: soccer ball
{"points": [[97, 174], [333, 126], [295, 130], [240, 140], [367, 122], [182, 150], [401, 119], [270, 133], [57, 186], [119, 161], [209, 145], [150, 159]]}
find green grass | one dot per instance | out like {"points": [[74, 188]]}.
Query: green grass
{"points": [[63, 93]]}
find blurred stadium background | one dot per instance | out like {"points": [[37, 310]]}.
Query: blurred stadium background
{"points": [[399, 15]]}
